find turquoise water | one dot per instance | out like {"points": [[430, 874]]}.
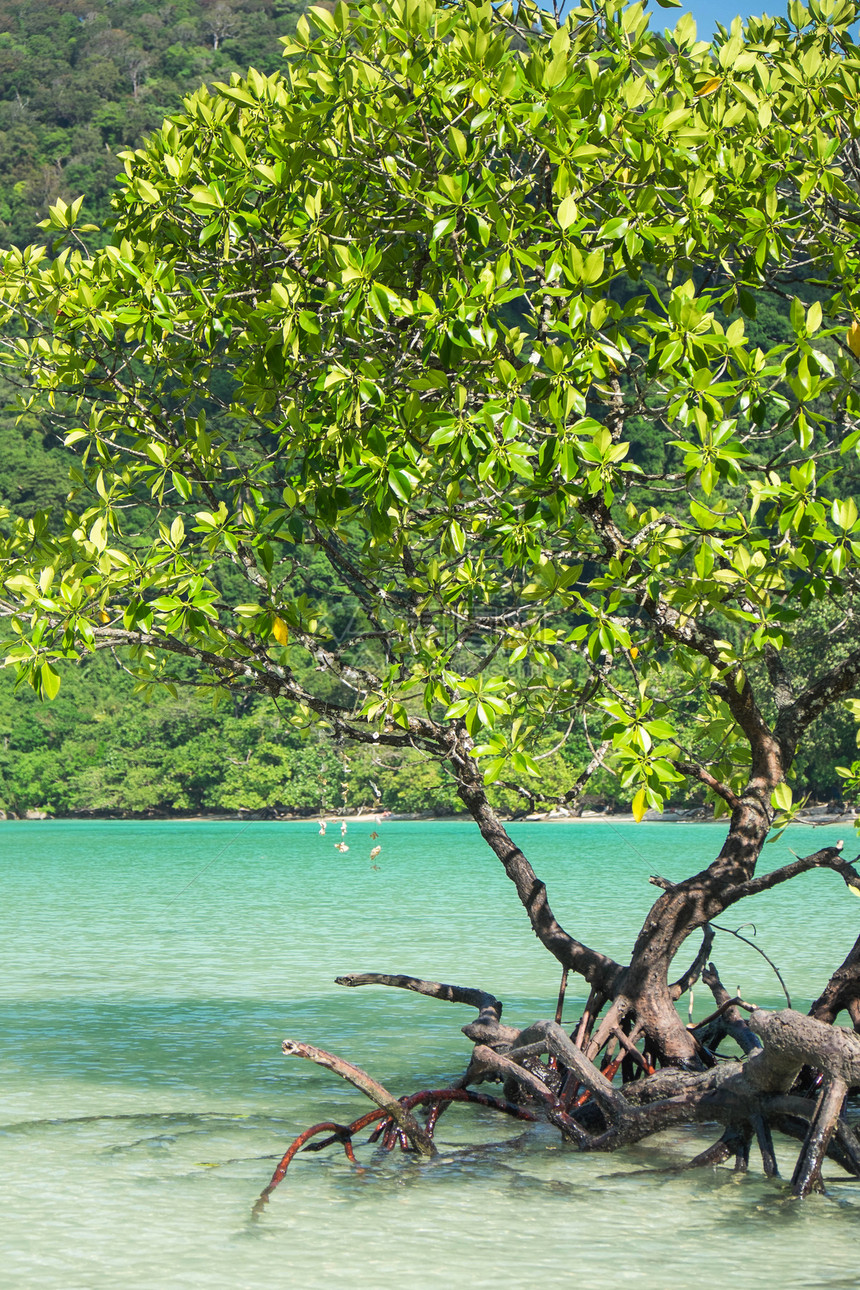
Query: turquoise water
{"points": [[144, 1099]]}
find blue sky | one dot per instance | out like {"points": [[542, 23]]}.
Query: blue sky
{"points": [[709, 12]]}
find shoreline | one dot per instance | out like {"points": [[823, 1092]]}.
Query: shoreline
{"points": [[817, 817]]}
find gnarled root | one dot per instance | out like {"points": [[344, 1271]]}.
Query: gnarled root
{"points": [[549, 1068], [394, 1121], [807, 1172], [405, 1120]]}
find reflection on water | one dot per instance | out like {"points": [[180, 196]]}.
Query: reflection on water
{"points": [[145, 1098]]}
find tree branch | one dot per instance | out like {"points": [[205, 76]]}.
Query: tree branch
{"points": [[488, 1006], [815, 699], [598, 969], [704, 776], [827, 858], [694, 971]]}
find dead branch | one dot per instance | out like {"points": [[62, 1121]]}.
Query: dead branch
{"points": [[726, 1021], [362, 1081], [488, 1006], [486, 1029]]}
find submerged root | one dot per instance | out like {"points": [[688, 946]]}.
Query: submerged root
{"points": [[405, 1120], [387, 1123], [561, 1080], [339, 1133]]}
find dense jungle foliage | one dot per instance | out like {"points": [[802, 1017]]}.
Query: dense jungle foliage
{"points": [[82, 80]]}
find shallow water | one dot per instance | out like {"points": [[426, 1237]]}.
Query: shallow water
{"points": [[145, 1100]]}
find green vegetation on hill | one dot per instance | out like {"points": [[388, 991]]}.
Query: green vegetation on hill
{"points": [[81, 80], [101, 749]]}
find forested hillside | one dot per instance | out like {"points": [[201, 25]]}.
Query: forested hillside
{"points": [[80, 81]]}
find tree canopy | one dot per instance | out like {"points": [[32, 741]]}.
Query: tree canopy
{"points": [[463, 303], [406, 304]]}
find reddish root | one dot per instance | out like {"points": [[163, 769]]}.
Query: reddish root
{"points": [[386, 1128], [340, 1133], [370, 1117], [444, 1096], [433, 1114], [610, 1070], [438, 1100]]}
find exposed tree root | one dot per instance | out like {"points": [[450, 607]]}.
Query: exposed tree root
{"points": [[807, 1172], [558, 1075], [671, 1074], [339, 1133], [764, 1138], [731, 1143], [405, 1120], [387, 1123]]}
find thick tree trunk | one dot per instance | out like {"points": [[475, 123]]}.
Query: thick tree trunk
{"points": [[640, 994], [683, 909], [642, 991]]}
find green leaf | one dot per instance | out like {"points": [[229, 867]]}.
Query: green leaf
{"points": [[592, 269], [781, 797], [567, 211], [146, 191], [845, 514], [457, 537], [49, 681]]}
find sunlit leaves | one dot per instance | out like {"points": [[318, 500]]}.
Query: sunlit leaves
{"points": [[484, 700], [411, 309]]}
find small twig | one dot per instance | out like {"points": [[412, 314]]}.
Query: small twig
{"points": [[561, 993], [712, 1016], [760, 951]]}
